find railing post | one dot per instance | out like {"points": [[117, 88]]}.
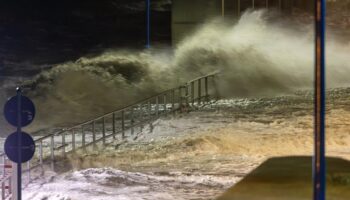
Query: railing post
{"points": [[206, 89], [149, 110], [28, 171], [140, 115], [123, 124], [165, 102], [52, 149], [41, 152], [41, 156], [113, 124], [157, 106], [10, 186], [199, 91], [173, 100], [104, 130], [63, 144], [4, 162], [82, 137], [3, 190], [216, 89], [180, 97], [94, 133], [73, 140], [192, 92], [132, 120], [187, 94]]}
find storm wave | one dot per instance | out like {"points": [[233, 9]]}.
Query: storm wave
{"points": [[256, 57]]}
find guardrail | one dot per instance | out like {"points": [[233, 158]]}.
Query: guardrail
{"points": [[121, 123]]}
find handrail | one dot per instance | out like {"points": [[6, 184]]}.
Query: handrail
{"points": [[126, 107], [194, 93]]}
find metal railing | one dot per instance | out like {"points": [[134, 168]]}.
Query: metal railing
{"points": [[6, 178], [119, 124]]}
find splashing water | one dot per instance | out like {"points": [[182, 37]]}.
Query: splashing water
{"points": [[257, 57]]}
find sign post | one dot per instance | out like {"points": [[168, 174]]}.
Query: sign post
{"points": [[319, 160], [19, 146]]}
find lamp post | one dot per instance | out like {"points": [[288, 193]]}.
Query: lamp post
{"points": [[319, 160]]}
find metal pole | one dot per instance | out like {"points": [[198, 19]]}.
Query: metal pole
{"points": [[206, 89], [187, 94], [319, 160], [180, 97], [192, 93], [73, 140], [4, 162], [28, 172], [41, 152], [82, 137], [123, 124], [14, 180], [10, 185], [93, 133], [3, 190], [253, 4], [132, 120], [140, 115], [157, 106], [199, 91], [217, 94], [52, 148], [19, 137], [173, 100], [165, 101], [149, 109], [113, 118], [63, 144], [104, 130]]}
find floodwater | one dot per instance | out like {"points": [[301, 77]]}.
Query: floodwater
{"points": [[201, 154]]}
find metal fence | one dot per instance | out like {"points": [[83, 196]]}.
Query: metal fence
{"points": [[116, 125]]}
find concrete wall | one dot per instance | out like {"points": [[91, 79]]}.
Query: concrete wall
{"points": [[187, 15]]}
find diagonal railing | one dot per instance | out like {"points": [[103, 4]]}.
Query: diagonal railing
{"points": [[119, 124]]}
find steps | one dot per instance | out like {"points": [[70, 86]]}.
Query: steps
{"points": [[121, 123]]}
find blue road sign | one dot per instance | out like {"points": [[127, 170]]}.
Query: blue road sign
{"points": [[27, 111], [12, 147]]}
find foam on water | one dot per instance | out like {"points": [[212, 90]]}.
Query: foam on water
{"points": [[109, 183]]}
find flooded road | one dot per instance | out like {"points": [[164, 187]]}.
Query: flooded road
{"points": [[201, 154]]}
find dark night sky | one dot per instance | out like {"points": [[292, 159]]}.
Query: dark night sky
{"points": [[48, 31]]}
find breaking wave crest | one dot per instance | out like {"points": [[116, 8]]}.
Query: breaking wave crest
{"points": [[256, 55]]}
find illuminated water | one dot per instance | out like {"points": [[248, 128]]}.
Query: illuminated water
{"points": [[199, 155]]}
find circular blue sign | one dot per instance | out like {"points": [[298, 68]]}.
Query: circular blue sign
{"points": [[27, 147], [27, 111]]}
